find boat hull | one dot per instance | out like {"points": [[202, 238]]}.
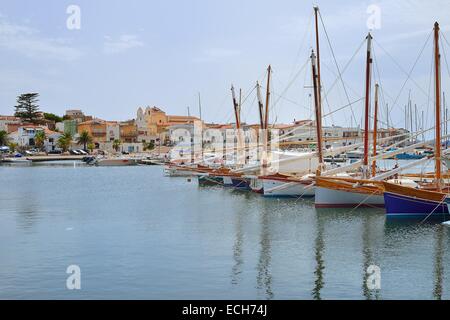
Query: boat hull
{"points": [[116, 162], [279, 188], [405, 206], [240, 183], [331, 198], [207, 180]]}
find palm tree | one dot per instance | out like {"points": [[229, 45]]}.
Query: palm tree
{"points": [[64, 141], [39, 139], [3, 138], [84, 139], [116, 144]]}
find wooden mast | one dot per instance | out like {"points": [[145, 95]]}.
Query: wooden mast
{"points": [[236, 108], [266, 122], [437, 70], [266, 114], [367, 101], [375, 128], [260, 105], [316, 13], [318, 91], [237, 115], [317, 111]]}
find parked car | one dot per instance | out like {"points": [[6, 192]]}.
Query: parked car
{"points": [[82, 151], [75, 152], [55, 152]]}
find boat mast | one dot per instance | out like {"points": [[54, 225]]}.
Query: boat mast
{"points": [[437, 70], [236, 108], [266, 121], [266, 114], [316, 13], [367, 101], [260, 105], [200, 106], [316, 89], [374, 163], [237, 116]]}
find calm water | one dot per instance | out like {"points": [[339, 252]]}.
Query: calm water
{"points": [[137, 234]]}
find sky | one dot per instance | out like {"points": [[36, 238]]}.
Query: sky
{"points": [[128, 54]]}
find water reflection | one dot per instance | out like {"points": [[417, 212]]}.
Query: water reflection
{"points": [[264, 276], [237, 249], [438, 262], [318, 255], [368, 225]]}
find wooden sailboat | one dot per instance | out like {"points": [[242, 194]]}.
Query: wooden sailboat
{"points": [[282, 185], [403, 201], [347, 191]]}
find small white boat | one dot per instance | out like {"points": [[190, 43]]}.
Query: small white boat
{"points": [[113, 162], [280, 186], [21, 161], [332, 198], [176, 171]]}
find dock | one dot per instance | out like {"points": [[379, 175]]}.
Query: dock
{"points": [[55, 158]]}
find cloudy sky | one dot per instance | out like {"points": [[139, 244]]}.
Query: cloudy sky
{"points": [[137, 53]]}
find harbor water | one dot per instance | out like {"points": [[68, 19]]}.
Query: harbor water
{"points": [[136, 234]]}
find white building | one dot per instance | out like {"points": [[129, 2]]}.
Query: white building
{"points": [[25, 137]]}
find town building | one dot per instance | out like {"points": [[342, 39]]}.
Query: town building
{"points": [[9, 123], [25, 136]]}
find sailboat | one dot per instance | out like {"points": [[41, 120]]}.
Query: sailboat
{"points": [[428, 200], [301, 184], [345, 190]]}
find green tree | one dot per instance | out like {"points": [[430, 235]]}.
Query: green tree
{"points": [[12, 146], [149, 146], [64, 141], [27, 107], [39, 139], [3, 138], [91, 146], [52, 117], [84, 139], [116, 144]]}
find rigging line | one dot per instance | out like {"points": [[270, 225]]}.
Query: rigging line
{"points": [[290, 84], [445, 57], [302, 43], [332, 71], [407, 73], [289, 100], [337, 66], [343, 107], [230, 113], [381, 87], [429, 83], [346, 66]]}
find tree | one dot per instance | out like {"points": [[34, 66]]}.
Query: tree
{"points": [[91, 146], [64, 141], [27, 107], [52, 117], [12, 146], [39, 139], [116, 144], [84, 139], [149, 146], [3, 138]]}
